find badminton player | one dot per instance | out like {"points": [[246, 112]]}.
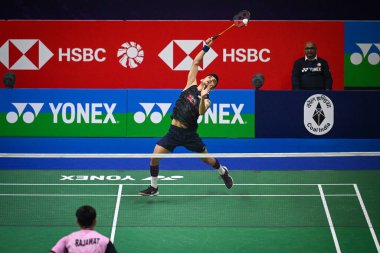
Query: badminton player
{"points": [[193, 101], [86, 240]]}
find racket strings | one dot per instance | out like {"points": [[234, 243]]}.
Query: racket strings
{"points": [[239, 17]]}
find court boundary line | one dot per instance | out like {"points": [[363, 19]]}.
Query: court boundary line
{"points": [[331, 224], [187, 155], [168, 195], [374, 237], [162, 184], [116, 213]]}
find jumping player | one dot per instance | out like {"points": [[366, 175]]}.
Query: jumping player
{"points": [[193, 101]]}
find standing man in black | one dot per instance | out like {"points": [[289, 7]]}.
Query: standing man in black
{"points": [[311, 72]]}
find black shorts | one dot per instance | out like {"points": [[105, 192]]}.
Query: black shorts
{"points": [[182, 137]]}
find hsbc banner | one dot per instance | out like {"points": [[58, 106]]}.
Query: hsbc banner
{"points": [[62, 112], [322, 114], [117, 113], [232, 113], [158, 54]]}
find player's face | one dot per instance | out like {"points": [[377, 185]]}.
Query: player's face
{"points": [[209, 80]]}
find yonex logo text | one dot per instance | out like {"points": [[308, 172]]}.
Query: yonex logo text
{"points": [[156, 117], [221, 114], [27, 116], [316, 69], [373, 58], [113, 178], [67, 113], [88, 113]]}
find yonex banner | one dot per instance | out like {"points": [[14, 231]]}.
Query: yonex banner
{"points": [[117, 113], [57, 112], [232, 113], [311, 114], [158, 54], [362, 54]]}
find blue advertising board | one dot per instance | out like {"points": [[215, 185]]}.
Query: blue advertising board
{"points": [[317, 114]]}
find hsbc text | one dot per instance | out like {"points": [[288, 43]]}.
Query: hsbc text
{"points": [[246, 55], [82, 54]]}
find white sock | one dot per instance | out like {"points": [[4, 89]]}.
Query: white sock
{"points": [[221, 170], [153, 181]]}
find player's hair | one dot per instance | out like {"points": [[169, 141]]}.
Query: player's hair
{"points": [[86, 216], [216, 77]]}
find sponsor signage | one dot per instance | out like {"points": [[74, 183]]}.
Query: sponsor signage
{"points": [[232, 113], [118, 113], [56, 112], [318, 114], [322, 114], [362, 54], [158, 54]]}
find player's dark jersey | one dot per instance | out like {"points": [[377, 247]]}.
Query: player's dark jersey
{"points": [[186, 108]]}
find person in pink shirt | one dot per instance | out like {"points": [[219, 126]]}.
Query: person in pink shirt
{"points": [[86, 240]]}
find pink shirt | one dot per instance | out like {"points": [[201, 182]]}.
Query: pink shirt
{"points": [[82, 241]]}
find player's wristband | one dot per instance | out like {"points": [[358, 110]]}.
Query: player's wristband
{"points": [[205, 48]]}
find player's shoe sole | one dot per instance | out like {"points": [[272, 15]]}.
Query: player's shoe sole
{"points": [[227, 179], [150, 191]]}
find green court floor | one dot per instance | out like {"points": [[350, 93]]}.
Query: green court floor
{"points": [[265, 211]]}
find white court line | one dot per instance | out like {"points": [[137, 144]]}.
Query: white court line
{"points": [[367, 218], [171, 195], [116, 214], [329, 219], [162, 184], [186, 155]]}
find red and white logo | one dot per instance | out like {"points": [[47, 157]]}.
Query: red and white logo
{"points": [[179, 54], [24, 54], [130, 55]]}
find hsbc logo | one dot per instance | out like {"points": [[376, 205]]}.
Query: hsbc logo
{"points": [[179, 54], [24, 54], [155, 116]]}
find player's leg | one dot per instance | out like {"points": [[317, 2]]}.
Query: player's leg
{"points": [[222, 170], [165, 145], [152, 189], [154, 164], [195, 144]]}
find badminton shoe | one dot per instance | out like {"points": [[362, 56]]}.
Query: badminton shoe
{"points": [[150, 191], [228, 181]]}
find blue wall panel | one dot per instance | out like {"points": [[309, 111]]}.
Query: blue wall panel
{"points": [[280, 114]]}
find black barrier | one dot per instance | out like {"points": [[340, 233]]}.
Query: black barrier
{"points": [[317, 114]]}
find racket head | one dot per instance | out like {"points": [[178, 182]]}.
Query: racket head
{"points": [[238, 18]]}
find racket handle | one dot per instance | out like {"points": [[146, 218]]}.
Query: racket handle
{"points": [[215, 37]]}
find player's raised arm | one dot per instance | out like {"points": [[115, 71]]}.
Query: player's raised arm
{"points": [[192, 76]]}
